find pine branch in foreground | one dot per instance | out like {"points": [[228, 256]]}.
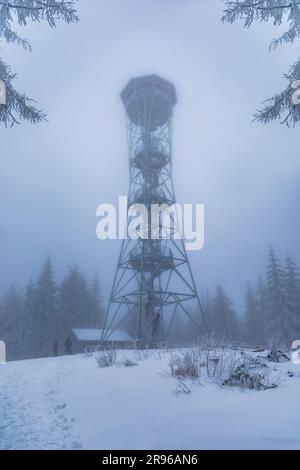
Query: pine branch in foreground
{"points": [[281, 105], [18, 106]]}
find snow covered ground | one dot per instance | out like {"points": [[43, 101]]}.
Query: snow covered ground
{"points": [[71, 403]]}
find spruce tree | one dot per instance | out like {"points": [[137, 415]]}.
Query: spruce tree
{"points": [[95, 312], [292, 296], [224, 322], [45, 314], [74, 302], [276, 318], [252, 318], [261, 298], [29, 339], [11, 322]]}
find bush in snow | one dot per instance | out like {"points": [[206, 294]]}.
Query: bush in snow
{"points": [[185, 364], [222, 365], [129, 363], [245, 377], [217, 358], [142, 354], [210, 356], [182, 387], [277, 356], [249, 374], [107, 357], [258, 362]]}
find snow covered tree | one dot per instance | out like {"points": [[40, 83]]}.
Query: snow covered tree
{"points": [[224, 323], [277, 318], [96, 312], [74, 302], [253, 318], [18, 106], [261, 298], [28, 338], [207, 303], [292, 296], [10, 322], [250, 315], [281, 105], [45, 311]]}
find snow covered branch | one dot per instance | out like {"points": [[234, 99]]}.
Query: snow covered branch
{"points": [[36, 10], [280, 106], [19, 106], [265, 10]]}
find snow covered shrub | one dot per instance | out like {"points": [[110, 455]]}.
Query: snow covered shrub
{"points": [[277, 356], [88, 352], [221, 364], [107, 357], [182, 388], [159, 354], [245, 377], [142, 354], [218, 359], [185, 364], [258, 361], [129, 363]]}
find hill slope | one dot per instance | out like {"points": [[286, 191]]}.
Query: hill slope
{"points": [[71, 403]]}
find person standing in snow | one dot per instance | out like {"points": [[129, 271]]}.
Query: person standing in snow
{"points": [[55, 349], [68, 345]]}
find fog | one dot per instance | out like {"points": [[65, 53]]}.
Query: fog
{"points": [[54, 175]]}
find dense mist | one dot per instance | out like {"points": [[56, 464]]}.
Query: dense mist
{"points": [[54, 175]]}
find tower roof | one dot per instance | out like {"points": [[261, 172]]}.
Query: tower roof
{"points": [[149, 100]]}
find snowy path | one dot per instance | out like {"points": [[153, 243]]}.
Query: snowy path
{"points": [[31, 415], [70, 403]]}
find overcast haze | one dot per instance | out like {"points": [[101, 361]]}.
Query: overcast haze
{"points": [[54, 175]]}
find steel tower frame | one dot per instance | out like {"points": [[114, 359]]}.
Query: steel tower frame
{"points": [[153, 280]]}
